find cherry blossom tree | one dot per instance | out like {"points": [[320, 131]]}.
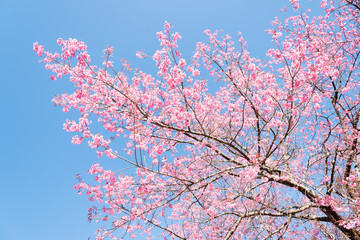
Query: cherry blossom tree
{"points": [[223, 145]]}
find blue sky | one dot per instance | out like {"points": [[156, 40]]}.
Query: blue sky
{"points": [[38, 161]]}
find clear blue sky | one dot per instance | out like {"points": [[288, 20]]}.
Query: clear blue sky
{"points": [[38, 161]]}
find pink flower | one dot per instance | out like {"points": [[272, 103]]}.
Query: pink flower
{"points": [[182, 63], [39, 49], [76, 140], [196, 73], [159, 150]]}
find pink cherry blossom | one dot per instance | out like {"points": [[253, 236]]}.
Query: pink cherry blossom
{"points": [[223, 145]]}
